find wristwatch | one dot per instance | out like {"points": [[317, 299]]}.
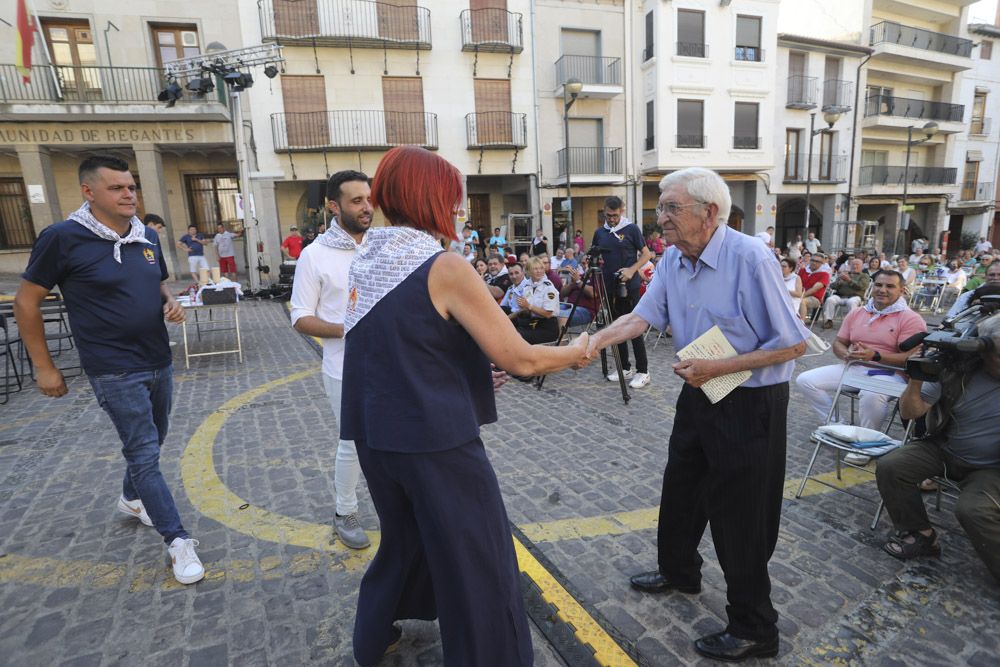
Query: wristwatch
{"points": [[877, 357]]}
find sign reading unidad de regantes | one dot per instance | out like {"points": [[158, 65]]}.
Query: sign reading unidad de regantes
{"points": [[118, 134]]}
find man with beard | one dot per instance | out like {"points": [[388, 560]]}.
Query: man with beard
{"points": [[497, 277], [319, 303]]}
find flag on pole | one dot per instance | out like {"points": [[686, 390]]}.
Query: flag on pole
{"points": [[25, 40]]}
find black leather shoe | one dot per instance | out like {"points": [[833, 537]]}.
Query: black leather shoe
{"points": [[654, 582], [724, 646]]}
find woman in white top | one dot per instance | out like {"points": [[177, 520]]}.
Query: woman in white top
{"points": [[792, 282]]}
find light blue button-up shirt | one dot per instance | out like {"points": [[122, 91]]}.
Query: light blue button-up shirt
{"points": [[735, 284]]}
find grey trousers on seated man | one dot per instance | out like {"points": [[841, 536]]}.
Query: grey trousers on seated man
{"points": [[900, 472]]}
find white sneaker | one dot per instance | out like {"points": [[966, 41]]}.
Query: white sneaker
{"points": [[134, 509], [187, 566], [639, 381], [857, 459], [613, 375]]}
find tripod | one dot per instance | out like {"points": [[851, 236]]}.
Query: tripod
{"points": [[595, 278]]}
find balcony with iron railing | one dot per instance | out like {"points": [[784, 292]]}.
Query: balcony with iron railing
{"points": [[801, 92], [590, 161], [980, 126], [92, 85], [838, 95], [903, 44], [690, 141], [356, 130], [496, 130], [973, 191], [350, 23], [492, 30], [880, 108], [748, 54], [601, 77], [881, 175], [825, 168], [692, 49], [745, 142]]}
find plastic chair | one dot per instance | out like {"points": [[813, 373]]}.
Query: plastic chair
{"points": [[6, 351], [848, 385]]}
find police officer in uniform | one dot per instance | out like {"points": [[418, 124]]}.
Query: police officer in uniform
{"points": [[519, 282], [624, 252], [536, 319]]}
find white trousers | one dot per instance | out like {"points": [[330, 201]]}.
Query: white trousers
{"points": [[830, 307], [348, 469], [819, 385]]}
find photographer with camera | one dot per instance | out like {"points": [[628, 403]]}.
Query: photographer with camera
{"points": [[963, 413], [624, 252]]}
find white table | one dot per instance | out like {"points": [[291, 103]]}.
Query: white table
{"points": [[221, 317]]}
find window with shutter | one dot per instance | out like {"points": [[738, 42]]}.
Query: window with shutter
{"points": [[489, 21], [493, 111], [403, 101], [296, 18], [306, 121], [397, 20]]}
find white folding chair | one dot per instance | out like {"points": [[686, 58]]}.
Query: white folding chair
{"points": [[849, 387]]}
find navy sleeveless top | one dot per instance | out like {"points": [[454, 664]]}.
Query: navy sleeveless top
{"points": [[414, 382]]}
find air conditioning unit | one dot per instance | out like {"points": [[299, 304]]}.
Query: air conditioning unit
{"points": [[189, 38]]}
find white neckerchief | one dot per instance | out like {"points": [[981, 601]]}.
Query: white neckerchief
{"points": [[387, 258], [623, 222], [502, 272], [897, 307], [136, 232], [336, 237]]}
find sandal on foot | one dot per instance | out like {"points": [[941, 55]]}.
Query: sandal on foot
{"points": [[928, 486], [902, 547]]}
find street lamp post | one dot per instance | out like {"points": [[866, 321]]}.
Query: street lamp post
{"points": [[930, 129], [830, 117], [571, 89]]}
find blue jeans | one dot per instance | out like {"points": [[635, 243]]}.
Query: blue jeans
{"points": [[138, 404], [581, 317]]}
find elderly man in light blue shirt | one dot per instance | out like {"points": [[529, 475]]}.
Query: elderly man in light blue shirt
{"points": [[726, 461]]}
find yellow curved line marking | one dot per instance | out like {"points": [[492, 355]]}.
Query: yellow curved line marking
{"points": [[212, 497]]}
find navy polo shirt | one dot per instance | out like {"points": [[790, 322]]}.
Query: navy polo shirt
{"points": [[623, 249], [115, 310], [197, 249]]}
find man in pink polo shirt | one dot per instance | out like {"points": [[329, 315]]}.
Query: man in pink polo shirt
{"points": [[871, 333]]}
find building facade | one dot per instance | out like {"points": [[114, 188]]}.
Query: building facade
{"points": [[96, 77]]}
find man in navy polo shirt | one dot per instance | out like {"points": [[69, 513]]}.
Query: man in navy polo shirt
{"points": [[109, 268], [624, 251]]}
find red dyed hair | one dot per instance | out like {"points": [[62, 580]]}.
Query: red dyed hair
{"points": [[415, 188]]}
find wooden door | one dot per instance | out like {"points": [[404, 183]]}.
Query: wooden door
{"points": [[403, 101], [493, 119], [306, 122], [71, 47]]}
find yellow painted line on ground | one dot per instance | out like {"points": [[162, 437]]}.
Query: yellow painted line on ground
{"points": [[212, 497], [606, 650]]}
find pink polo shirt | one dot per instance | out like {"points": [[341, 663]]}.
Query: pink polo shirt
{"points": [[885, 333]]}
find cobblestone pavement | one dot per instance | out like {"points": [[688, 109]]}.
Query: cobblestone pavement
{"points": [[250, 458]]}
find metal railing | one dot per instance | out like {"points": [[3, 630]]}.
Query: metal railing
{"points": [[750, 54], [801, 92], [918, 38], [838, 94], [885, 175], [972, 191], [359, 23], [352, 130], [496, 129], [492, 29], [589, 69], [590, 160], [904, 107], [741, 142], [90, 84], [690, 141], [825, 168], [980, 126], [692, 49], [648, 53]]}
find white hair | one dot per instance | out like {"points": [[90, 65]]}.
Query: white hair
{"points": [[703, 185]]}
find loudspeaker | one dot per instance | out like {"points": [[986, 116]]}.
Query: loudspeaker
{"points": [[315, 194]]}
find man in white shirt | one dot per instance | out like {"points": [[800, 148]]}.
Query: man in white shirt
{"points": [[557, 259], [982, 246], [226, 250], [766, 236], [319, 304], [812, 243]]}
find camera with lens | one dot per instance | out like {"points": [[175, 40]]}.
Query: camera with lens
{"points": [[595, 253], [622, 290], [956, 345]]}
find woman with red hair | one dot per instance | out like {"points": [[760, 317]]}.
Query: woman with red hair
{"points": [[421, 331]]}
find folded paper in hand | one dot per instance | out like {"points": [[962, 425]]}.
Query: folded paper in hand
{"points": [[713, 344]]}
